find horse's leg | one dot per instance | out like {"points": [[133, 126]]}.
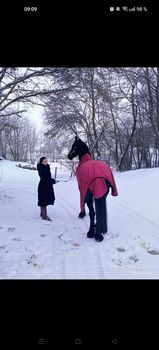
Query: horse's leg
{"points": [[82, 214], [101, 218], [103, 215], [90, 233]]}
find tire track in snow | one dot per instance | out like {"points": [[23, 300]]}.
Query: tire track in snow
{"points": [[94, 264], [69, 256], [17, 190], [100, 264], [58, 257], [75, 224], [75, 260], [133, 213], [144, 226]]}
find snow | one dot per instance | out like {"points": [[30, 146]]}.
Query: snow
{"points": [[31, 248]]}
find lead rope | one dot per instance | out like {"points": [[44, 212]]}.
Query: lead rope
{"points": [[72, 171]]}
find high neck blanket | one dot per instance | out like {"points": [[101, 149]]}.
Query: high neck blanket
{"points": [[92, 175]]}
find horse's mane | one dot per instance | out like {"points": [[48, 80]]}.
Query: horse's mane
{"points": [[83, 148]]}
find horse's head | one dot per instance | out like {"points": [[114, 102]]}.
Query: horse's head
{"points": [[74, 149], [79, 148]]}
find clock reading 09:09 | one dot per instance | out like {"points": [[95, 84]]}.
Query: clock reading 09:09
{"points": [[32, 9]]}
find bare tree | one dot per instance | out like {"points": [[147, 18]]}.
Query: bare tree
{"points": [[115, 110], [18, 140]]}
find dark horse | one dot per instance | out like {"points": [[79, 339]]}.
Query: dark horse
{"points": [[95, 178]]}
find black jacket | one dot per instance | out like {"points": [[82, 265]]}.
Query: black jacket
{"points": [[46, 194]]}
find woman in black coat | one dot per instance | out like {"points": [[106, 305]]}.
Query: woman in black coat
{"points": [[45, 189]]}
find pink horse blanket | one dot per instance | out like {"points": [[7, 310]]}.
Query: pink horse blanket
{"points": [[91, 174]]}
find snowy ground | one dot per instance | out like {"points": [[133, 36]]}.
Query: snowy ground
{"points": [[31, 248]]}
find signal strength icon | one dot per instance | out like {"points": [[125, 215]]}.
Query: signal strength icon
{"points": [[125, 8], [133, 9]]}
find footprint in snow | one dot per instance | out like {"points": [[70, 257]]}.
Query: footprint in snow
{"points": [[17, 239], [74, 244], [31, 260], [2, 247], [126, 262], [28, 250], [134, 258], [43, 235], [153, 251], [33, 257], [67, 242], [147, 246], [120, 249], [117, 261], [9, 197], [112, 235], [11, 229], [36, 265]]}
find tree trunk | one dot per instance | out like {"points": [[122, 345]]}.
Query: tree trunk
{"points": [[134, 113]]}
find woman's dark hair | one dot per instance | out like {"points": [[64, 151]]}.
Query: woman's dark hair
{"points": [[41, 159]]}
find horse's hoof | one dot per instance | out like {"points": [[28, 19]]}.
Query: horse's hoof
{"points": [[99, 238], [90, 234], [82, 214]]}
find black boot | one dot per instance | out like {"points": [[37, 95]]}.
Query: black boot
{"points": [[44, 214], [48, 219]]}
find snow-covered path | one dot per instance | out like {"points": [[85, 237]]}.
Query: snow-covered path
{"points": [[32, 248]]}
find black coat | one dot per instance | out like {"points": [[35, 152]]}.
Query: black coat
{"points": [[45, 189]]}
